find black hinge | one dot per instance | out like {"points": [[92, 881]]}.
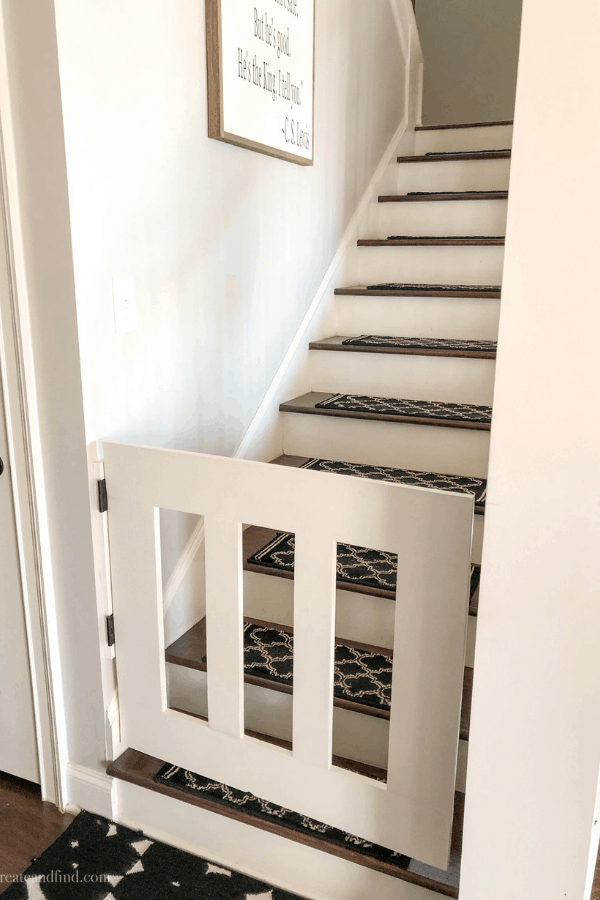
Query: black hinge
{"points": [[110, 630], [102, 496]]}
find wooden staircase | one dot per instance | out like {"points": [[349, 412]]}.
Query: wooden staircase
{"points": [[436, 287]]}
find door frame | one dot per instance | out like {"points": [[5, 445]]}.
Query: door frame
{"points": [[24, 452]]}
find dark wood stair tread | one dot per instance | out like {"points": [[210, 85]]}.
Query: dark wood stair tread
{"points": [[463, 125], [189, 651], [256, 537], [413, 347], [476, 292], [435, 480], [438, 196], [137, 768], [307, 405], [458, 156], [424, 241]]}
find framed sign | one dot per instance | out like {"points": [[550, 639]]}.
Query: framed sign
{"points": [[260, 62]]}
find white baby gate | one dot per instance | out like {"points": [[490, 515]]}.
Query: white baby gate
{"points": [[431, 533]]}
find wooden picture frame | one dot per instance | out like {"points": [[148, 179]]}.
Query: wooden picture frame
{"points": [[252, 102]]}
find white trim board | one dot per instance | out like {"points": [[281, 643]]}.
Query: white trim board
{"points": [[16, 357], [290, 364]]}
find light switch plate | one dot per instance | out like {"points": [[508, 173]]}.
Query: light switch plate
{"points": [[124, 303]]}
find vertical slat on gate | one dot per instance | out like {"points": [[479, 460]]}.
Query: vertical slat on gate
{"points": [[429, 640], [314, 635], [224, 625]]}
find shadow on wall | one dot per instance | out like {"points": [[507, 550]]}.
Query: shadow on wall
{"points": [[471, 50]]}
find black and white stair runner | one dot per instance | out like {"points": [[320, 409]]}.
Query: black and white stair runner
{"points": [[422, 409]]}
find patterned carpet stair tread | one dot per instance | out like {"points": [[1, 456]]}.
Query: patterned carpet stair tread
{"points": [[459, 483], [422, 409], [361, 676], [420, 343], [465, 152], [420, 286], [454, 193], [112, 862], [453, 237], [356, 565]]}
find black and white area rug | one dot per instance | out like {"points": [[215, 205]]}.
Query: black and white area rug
{"points": [[225, 795], [460, 483], [403, 286], [360, 676], [355, 565], [422, 409], [420, 343], [97, 860]]}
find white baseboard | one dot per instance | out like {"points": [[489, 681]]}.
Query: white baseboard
{"points": [[90, 790]]}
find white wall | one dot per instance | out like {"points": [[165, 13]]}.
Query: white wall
{"points": [[227, 246], [534, 750], [470, 49]]}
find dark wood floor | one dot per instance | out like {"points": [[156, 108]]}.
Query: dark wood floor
{"points": [[27, 825], [596, 886]]}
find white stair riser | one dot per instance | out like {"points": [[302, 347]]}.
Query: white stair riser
{"points": [[446, 317], [458, 451], [453, 175], [303, 870], [439, 218], [453, 380], [355, 735], [430, 265], [359, 617], [496, 137]]}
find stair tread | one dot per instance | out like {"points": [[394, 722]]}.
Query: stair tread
{"points": [[463, 125], [142, 770], [383, 409], [398, 289], [268, 656], [416, 477], [418, 346], [260, 546], [437, 196], [404, 240], [456, 156]]}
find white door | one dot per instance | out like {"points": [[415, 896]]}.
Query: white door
{"points": [[18, 747]]}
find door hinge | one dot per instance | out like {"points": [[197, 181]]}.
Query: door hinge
{"points": [[110, 630], [102, 496]]}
